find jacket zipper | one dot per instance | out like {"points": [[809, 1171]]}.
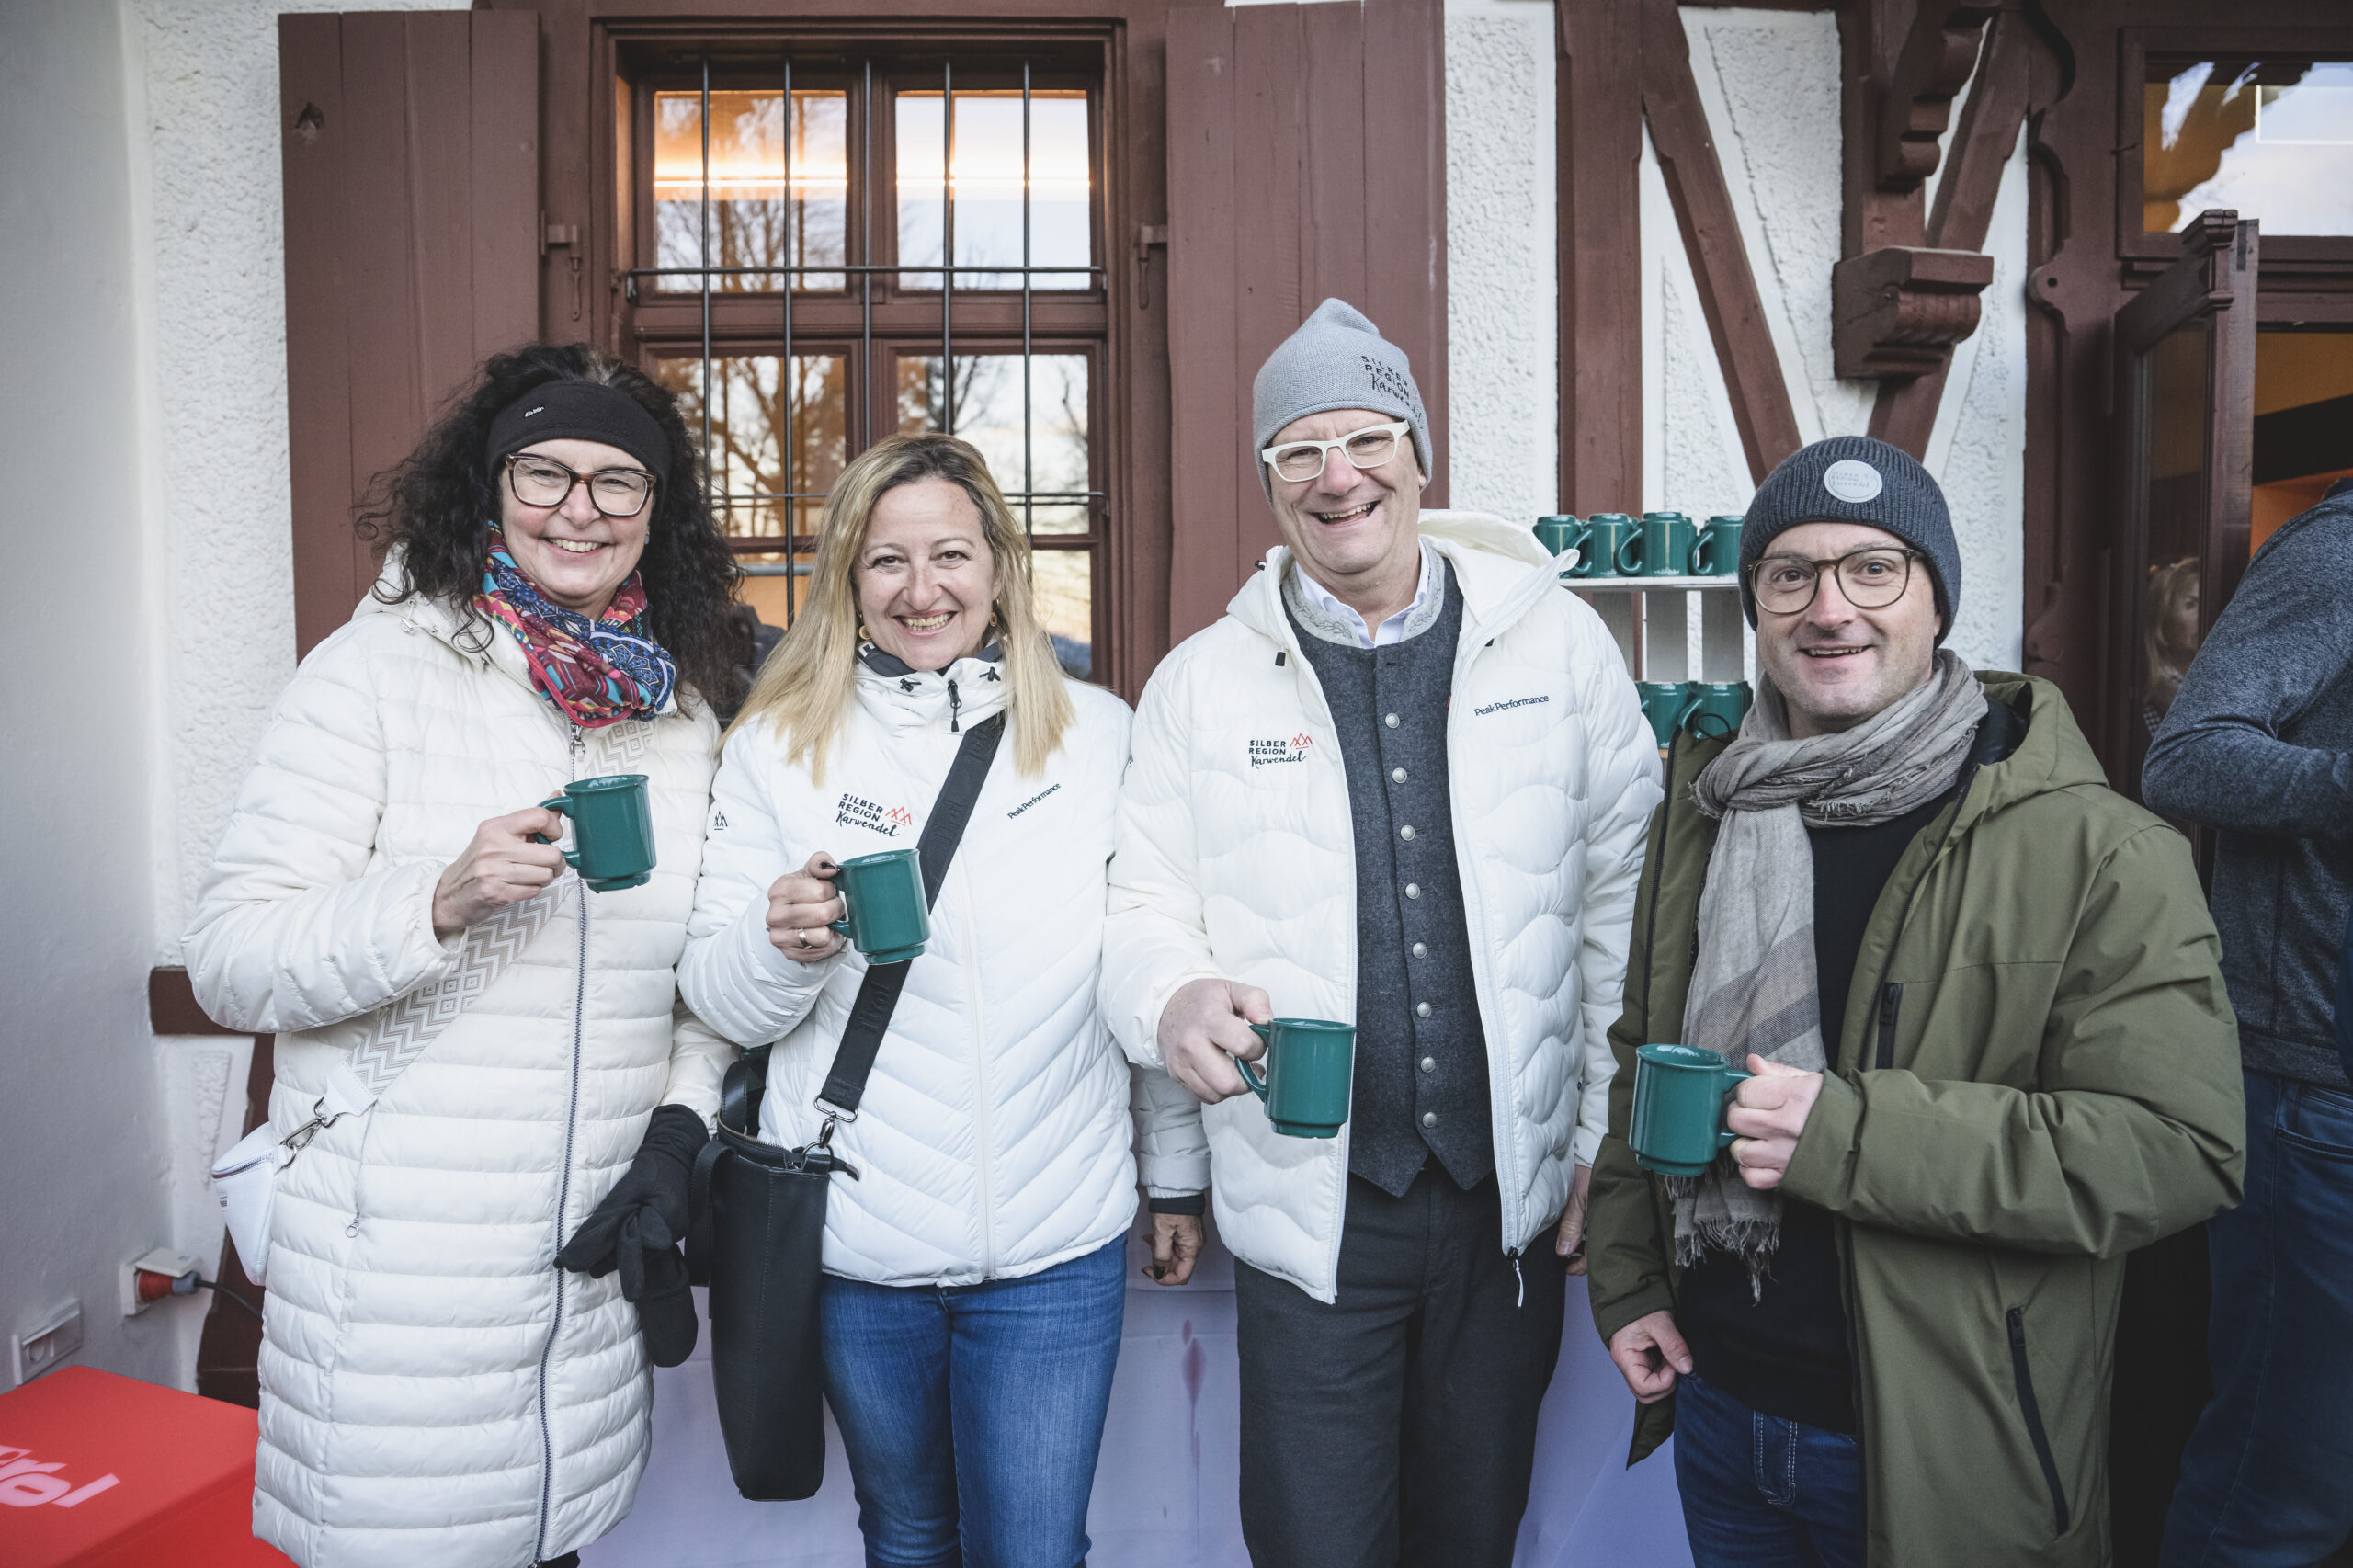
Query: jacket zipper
{"points": [[563, 1196], [980, 1084], [955, 709], [1500, 1088], [1891, 1001], [2033, 1413]]}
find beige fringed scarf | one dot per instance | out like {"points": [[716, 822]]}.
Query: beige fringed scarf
{"points": [[1753, 987]]}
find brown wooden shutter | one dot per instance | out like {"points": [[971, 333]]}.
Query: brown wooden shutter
{"points": [[1306, 158], [412, 179]]}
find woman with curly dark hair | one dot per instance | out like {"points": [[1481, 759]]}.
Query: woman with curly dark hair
{"points": [[487, 1099]]}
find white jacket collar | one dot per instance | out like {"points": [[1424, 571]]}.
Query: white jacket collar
{"points": [[1500, 567], [958, 696]]}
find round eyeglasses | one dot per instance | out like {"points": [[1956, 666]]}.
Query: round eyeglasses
{"points": [[1871, 579], [543, 481], [1367, 448]]}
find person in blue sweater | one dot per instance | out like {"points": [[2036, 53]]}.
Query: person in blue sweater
{"points": [[2258, 745]]}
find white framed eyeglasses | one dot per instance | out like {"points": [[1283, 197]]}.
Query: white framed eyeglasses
{"points": [[1367, 448]]}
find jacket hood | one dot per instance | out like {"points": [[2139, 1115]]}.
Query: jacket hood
{"points": [[2052, 755], [1499, 566]]}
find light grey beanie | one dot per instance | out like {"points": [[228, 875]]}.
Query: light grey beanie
{"points": [[1336, 359]]}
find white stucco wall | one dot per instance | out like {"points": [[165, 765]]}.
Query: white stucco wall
{"points": [[83, 1141], [1503, 341]]}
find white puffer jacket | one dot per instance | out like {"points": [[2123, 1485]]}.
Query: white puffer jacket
{"points": [[995, 1137], [1248, 873], [434, 1390]]}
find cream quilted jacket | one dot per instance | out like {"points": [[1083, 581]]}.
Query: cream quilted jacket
{"points": [[1248, 872], [434, 1390]]}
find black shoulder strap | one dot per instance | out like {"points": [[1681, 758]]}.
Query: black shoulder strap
{"points": [[878, 998]]}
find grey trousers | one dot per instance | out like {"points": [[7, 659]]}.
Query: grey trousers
{"points": [[1397, 1426]]}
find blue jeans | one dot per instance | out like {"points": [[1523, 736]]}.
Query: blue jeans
{"points": [[1759, 1491], [973, 1413], [2267, 1477]]}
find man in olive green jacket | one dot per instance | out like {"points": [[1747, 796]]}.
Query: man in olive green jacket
{"points": [[2033, 1072]]}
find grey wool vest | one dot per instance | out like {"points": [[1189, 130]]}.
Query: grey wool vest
{"points": [[1421, 1075]]}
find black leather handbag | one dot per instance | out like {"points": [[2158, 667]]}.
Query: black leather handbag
{"points": [[759, 1224]]}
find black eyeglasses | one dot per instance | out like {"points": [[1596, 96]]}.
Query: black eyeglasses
{"points": [[1871, 578], [543, 481]]}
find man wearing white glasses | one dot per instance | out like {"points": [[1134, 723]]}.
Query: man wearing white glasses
{"points": [[1401, 785]]}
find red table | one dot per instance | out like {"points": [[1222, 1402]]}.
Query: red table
{"points": [[101, 1471]]}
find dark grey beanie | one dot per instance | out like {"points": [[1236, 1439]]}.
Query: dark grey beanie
{"points": [[1337, 359], [1855, 478]]}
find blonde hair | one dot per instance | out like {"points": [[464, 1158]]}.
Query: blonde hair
{"points": [[805, 688], [2170, 585]]}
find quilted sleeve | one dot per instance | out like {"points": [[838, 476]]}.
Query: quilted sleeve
{"points": [[1624, 777], [1172, 1150], [1154, 939], [293, 930], [731, 974], [698, 1058]]}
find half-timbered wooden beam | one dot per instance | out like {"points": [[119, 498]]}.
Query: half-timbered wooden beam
{"points": [[1703, 211], [1906, 410], [1600, 118]]}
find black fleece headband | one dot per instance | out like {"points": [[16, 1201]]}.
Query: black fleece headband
{"points": [[578, 411]]}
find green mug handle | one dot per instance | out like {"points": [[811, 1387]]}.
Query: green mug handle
{"points": [[1619, 557], [1699, 552], [1683, 719], [1256, 1081], [557, 804], [840, 927], [1724, 1136]]}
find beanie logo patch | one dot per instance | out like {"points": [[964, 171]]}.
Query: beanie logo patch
{"points": [[1385, 378], [1852, 480]]}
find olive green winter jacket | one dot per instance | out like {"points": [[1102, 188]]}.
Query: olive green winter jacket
{"points": [[2037, 1072]]}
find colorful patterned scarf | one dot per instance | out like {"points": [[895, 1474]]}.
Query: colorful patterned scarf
{"points": [[598, 671]]}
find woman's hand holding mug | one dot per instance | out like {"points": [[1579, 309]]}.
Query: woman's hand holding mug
{"points": [[802, 906], [503, 865]]}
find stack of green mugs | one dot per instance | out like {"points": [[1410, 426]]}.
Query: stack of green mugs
{"points": [[1708, 711], [1664, 544]]}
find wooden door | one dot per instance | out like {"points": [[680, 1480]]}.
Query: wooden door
{"points": [[2185, 406]]}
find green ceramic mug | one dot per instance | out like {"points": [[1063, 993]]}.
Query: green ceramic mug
{"points": [[1666, 704], [1557, 534], [1614, 535], [1717, 709], [613, 830], [1680, 1096], [1719, 550], [1311, 1065], [888, 918], [1669, 547]]}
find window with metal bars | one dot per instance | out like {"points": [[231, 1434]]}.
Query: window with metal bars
{"points": [[828, 250]]}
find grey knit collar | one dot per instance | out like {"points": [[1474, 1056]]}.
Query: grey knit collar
{"points": [[1333, 622]]}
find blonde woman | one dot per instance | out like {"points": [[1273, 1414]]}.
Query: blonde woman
{"points": [[973, 1286]]}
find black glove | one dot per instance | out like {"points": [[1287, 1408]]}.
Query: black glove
{"points": [[636, 1231]]}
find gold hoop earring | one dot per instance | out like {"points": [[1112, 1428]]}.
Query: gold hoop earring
{"points": [[863, 635]]}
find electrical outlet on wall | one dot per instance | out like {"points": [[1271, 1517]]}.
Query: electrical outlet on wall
{"points": [[50, 1341], [164, 1261]]}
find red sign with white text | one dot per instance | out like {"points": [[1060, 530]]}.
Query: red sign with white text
{"points": [[102, 1472]]}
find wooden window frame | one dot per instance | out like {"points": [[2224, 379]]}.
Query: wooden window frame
{"points": [[1122, 43], [2296, 260]]}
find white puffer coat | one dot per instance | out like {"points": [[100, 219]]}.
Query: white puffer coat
{"points": [[1248, 873], [434, 1390], [995, 1137]]}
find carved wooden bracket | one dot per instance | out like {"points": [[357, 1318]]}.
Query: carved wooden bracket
{"points": [[1938, 55], [1898, 310]]}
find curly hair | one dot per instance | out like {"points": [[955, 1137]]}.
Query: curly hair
{"points": [[436, 507]]}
